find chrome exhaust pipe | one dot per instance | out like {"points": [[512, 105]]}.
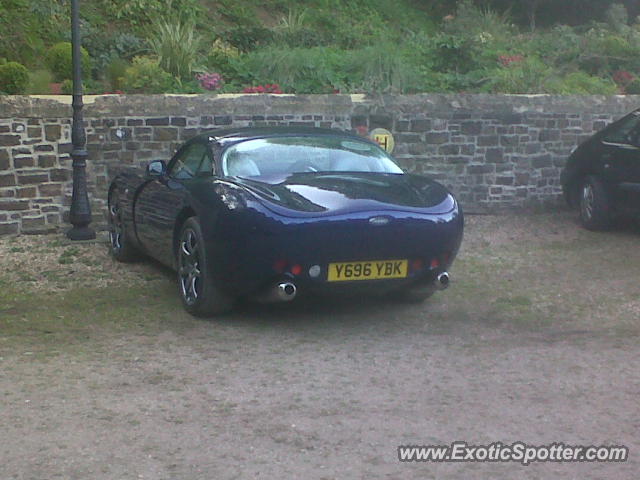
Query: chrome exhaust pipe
{"points": [[442, 281], [286, 291]]}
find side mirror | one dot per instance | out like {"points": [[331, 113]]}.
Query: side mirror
{"points": [[156, 169]]}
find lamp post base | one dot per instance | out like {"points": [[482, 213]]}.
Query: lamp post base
{"points": [[81, 233]]}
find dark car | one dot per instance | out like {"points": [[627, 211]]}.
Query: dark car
{"points": [[602, 175], [268, 213]]}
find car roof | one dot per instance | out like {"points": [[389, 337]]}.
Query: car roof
{"points": [[234, 135]]}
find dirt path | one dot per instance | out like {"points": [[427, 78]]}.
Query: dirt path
{"points": [[328, 390]]}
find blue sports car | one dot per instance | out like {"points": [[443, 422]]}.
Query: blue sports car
{"points": [[270, 213]]}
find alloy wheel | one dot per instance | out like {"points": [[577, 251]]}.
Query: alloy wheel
{"points": [[189, 272], [116, 230], [587, 201]]}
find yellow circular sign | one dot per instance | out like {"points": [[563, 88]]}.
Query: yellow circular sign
{"points": [[384, 138]]}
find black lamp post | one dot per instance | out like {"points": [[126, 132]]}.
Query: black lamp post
{"points": [[80, 214]]}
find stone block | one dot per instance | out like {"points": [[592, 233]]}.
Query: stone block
{"points": [[160, 121], [50, 189], [437, 137], [8, 180], [26, 192], [13, 205], [52, 132], [47, 161], [9, 228], [165, 134], [9, 140]]}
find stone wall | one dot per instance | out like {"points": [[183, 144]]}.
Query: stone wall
{"points": [[493, 151]]}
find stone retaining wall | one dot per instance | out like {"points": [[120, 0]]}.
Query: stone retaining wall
{"points": [[494, 151]]}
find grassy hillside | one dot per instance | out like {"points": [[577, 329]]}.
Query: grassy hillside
{"points": [[316, 46]]}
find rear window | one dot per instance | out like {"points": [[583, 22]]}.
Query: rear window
{"points": [[299, 154]]}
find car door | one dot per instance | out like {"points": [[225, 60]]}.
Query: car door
{"points": [[620, 162], [162, 199]]}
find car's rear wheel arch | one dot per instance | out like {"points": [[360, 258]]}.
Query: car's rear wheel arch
{"points": [[121, 245]]}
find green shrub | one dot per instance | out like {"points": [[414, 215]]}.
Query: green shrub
{"points": [[145, 75], [453, 53], [526, 76], [39, 82], [115, 73], [561, 46], [177, 46], [471, 20], [603, 53], [633, 88], [383, 67], [67, 87], [105, 45], [298, 70], [14, 78], [617, 18], [294, 31], [581, 83], [247, 37], [143, 12], [221, 58], [379, 68], [59, 59]]}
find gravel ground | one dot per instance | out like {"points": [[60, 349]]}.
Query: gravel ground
{"points": [[535, 341]]}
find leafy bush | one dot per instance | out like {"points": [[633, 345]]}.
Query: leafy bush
{"points": [[471, 20], [115, 72], [186, 86], [603, 52], [453, 53], [144, 12], [39, 82], [104, 46], [27, 24], [14, 78], [562, 46], [60, 62], [145, 75], [294, 30], [381, 68], [633, 88], [526, 76], [298, 70], [177, 47], [581, 83], [220, 58], [247, 37], [617, 18], [67, 87]]}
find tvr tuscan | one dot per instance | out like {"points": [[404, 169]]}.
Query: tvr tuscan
{"points": [[267, 213]]}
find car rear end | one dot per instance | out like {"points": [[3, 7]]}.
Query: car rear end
{"points": [[268, 255]]}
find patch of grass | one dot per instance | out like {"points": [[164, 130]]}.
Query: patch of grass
{"points": [[68, 256], [74, 320]]}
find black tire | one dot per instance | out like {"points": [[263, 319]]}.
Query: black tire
{"points": [[594, 204], [120, 245], [198, 291]]}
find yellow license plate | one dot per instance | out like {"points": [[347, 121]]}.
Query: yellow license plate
{"points": [[371, 270]]}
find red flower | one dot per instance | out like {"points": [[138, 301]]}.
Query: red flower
{"points": [[507, 60], [267, 88], [623, 78]]}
